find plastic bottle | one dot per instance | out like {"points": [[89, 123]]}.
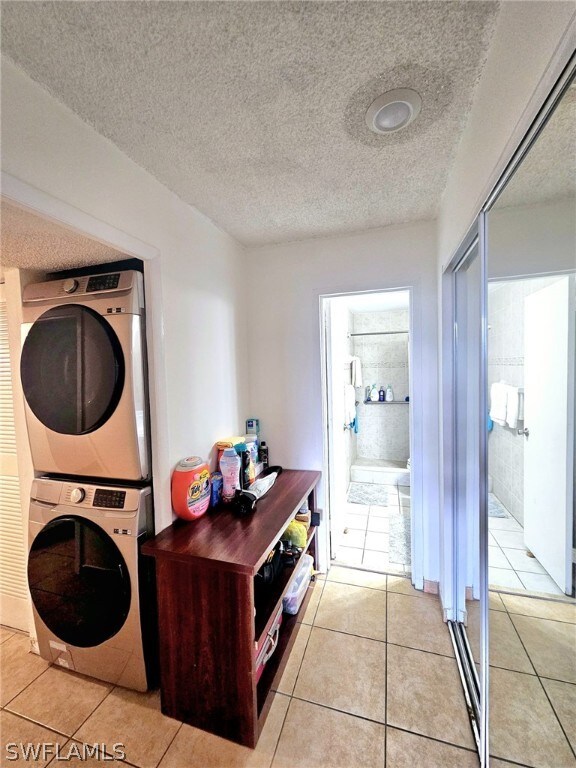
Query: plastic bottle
{"points": [[381, 395], [374, 394], [242, 451], [230, 465], [263, 454], [389, 394]]}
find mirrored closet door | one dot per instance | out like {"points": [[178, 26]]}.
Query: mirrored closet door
{"points": [[530, 231]]}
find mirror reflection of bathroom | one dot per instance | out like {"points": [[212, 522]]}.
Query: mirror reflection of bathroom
{"points": [[531, 263], [531, 387], [368, 393]]}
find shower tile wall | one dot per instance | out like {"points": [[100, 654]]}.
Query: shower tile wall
{"points": [[506, 363], [383, 429]]}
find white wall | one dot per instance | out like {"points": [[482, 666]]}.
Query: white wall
{"points": [[199, 365], [532, 40], [286, 282]]}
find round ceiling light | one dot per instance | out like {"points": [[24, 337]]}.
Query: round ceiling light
{"points": [[393, 110]]}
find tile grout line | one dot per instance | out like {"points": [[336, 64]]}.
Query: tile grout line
{"points": [[542, 685], [172, 740]]}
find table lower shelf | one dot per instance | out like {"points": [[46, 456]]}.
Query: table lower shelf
{"points": [[275, 667]]}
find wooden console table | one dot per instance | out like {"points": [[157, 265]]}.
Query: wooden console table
{"points": [[209, 622]]}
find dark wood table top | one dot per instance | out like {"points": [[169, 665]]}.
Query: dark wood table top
{"points": [[237, 543]]}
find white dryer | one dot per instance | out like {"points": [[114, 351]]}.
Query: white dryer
{"points": [[92, 591], [83, 372]]}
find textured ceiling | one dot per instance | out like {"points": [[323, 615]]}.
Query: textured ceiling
{"points": [[548, 172], [254, 111], [31, 242]]}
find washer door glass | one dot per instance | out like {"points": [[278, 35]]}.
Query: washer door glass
{"points": [[72, 369], [79, 581]]}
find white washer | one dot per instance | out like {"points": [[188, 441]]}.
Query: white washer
{"points": [[92, 592], [83, 372]]}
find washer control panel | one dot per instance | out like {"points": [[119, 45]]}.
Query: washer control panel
{"points": [[109, 498], [77, 495]]}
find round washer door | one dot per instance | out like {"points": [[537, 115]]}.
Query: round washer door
{"points": [[79, 581], [72, 369]]}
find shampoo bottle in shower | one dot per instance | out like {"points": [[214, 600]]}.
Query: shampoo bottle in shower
{"points": [[389, 394], [381, 395], [374, 394]]}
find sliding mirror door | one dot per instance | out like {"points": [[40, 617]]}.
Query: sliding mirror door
{"points": [[531, 265], [468, 441]]}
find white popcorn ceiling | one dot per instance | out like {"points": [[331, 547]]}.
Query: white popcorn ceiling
{"points": [[253, 112], [32, 242], [548, 172]]}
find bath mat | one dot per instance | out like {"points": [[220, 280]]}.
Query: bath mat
{"points": [[400, 540], [372, 493], [496, 508]]}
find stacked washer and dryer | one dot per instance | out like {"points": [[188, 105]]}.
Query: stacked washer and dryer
{"points": [[83, 372]]}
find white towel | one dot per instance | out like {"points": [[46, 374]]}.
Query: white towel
{"points": [[349, 404], [512, 406], [356, 372], [498, 402]]}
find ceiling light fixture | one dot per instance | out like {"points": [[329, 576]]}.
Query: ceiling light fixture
{"points": [[393, 110]]}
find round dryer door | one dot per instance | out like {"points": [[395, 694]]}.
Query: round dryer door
{"points": [[72, 369], [79, 581]]}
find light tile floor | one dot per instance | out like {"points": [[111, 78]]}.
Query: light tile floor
{"points": [[379, 689], [365, 542], [371, 683], [532, 680], [510, 566]]}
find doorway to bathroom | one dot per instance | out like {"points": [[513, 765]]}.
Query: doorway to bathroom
{"points": [[367, 400], [531, 359]]}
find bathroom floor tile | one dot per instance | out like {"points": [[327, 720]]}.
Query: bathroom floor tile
{"points": [[542, 609], [194, 748], [75, 754], [378, 524], [353, 538], [378, 542], [523, 726], [503, 524], [356, 509], [356, 522], [509, 539], [551, 646], [332, 739], [407, 750], [563, 698], [344, 672], [379, 561], [18, 667], [497, 558], [135, 720], [354, 610], [59, 699], [403, 585], [521, 561], [425, 696], [504, 578], [417, 624], [17, 730], [381, 510], [349, 555], [290, 675], [357, 577], [539, 582]]}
